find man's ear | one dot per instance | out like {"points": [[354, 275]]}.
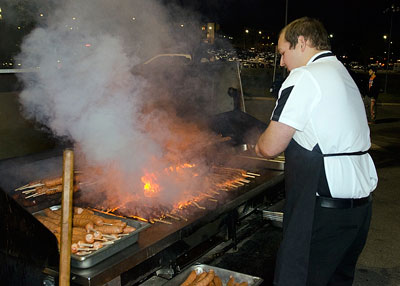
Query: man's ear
{"points": [[302, 43]]}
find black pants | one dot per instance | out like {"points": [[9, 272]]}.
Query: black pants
{"points": [[338, 237]]}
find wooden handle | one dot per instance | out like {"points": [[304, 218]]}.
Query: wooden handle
{"points": [[66, 218]]}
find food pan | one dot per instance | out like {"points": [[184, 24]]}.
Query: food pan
{"points": [[86, 261], [224, 274]]}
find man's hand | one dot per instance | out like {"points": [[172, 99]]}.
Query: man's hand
{"points": [[274, 140]]}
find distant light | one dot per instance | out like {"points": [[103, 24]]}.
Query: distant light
{"points": [[1, 17], [259, 32], [88, 45], [133, 18], [19, 65], [331, 36], [58, 61], [210, 27], [182, 25], [73, 18], [0, 10], [203, 28], [230, 38], [19, 27], [384, 37], [247, 31], [10, 64], [71, 28], [41, 15]]}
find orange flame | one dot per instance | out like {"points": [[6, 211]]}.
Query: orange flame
{"points": [[151, 188]]}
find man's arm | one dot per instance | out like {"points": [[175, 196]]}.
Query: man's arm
{"points": [[274, 140]]}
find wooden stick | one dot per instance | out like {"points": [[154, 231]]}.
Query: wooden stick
{"points": [[171, 216], [253, 174], [162, 221], [197, 205], [248, 176], [66, 218]]}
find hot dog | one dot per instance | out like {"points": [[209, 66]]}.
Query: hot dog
{"points": [[109, 229], [217, 281], [206, 280], [190, 278]]}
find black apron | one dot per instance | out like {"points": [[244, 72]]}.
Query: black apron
{"points": [[304, 178]]}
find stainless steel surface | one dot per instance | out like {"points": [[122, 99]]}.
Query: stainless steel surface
{"points": [[88, 260], [277, 163], [224, 274], [274, 216]]}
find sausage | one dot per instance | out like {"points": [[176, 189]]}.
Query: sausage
{"points": [[52, 182], [230, 282], [78, 210], [52, 214], [217, 281], [129, 229], [89, 227], [109, 229], [96, 219], [81, 222], [192, 276], [53, 227], [114, 221], [199, 277], [207, 279]]}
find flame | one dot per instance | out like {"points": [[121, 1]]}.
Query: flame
{"points": [[151, 188], [179, 167]]}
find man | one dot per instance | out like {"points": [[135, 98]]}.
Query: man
{"points": [[372, 94], [319, 121]]}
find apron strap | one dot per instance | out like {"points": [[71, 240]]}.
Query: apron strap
{"points": [[346, 154]]}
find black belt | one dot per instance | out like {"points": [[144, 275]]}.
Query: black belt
{"points": [[334, 203]]}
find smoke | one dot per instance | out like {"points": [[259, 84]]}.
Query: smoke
{"points": [[85, 87]]}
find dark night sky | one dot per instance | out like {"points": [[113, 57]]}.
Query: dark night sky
{"points": [[358, 26]]}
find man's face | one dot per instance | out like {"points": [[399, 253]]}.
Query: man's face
{"points": [[291, 58]]}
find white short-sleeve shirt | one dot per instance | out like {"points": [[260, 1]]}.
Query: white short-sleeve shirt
{"points": [[322, 102]]}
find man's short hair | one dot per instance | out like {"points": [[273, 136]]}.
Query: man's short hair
{"points": [[311, 29]]}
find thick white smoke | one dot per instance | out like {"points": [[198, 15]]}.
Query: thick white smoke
{"points": [[84, 88]]}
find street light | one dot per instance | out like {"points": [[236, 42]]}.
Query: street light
{"points": [[392, 9], [244, 38]]}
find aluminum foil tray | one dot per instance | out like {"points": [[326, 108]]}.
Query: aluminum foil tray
{"points": [[86, 261], [224, 274]]}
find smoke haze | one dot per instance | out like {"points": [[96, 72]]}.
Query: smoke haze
{"points": [[84, 89]]}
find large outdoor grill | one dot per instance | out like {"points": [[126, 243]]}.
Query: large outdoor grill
{"points": [[165, 237], [173, 242]]}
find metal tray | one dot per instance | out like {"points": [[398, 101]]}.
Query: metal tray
{"points": [[86, 261], [224, 274]]}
